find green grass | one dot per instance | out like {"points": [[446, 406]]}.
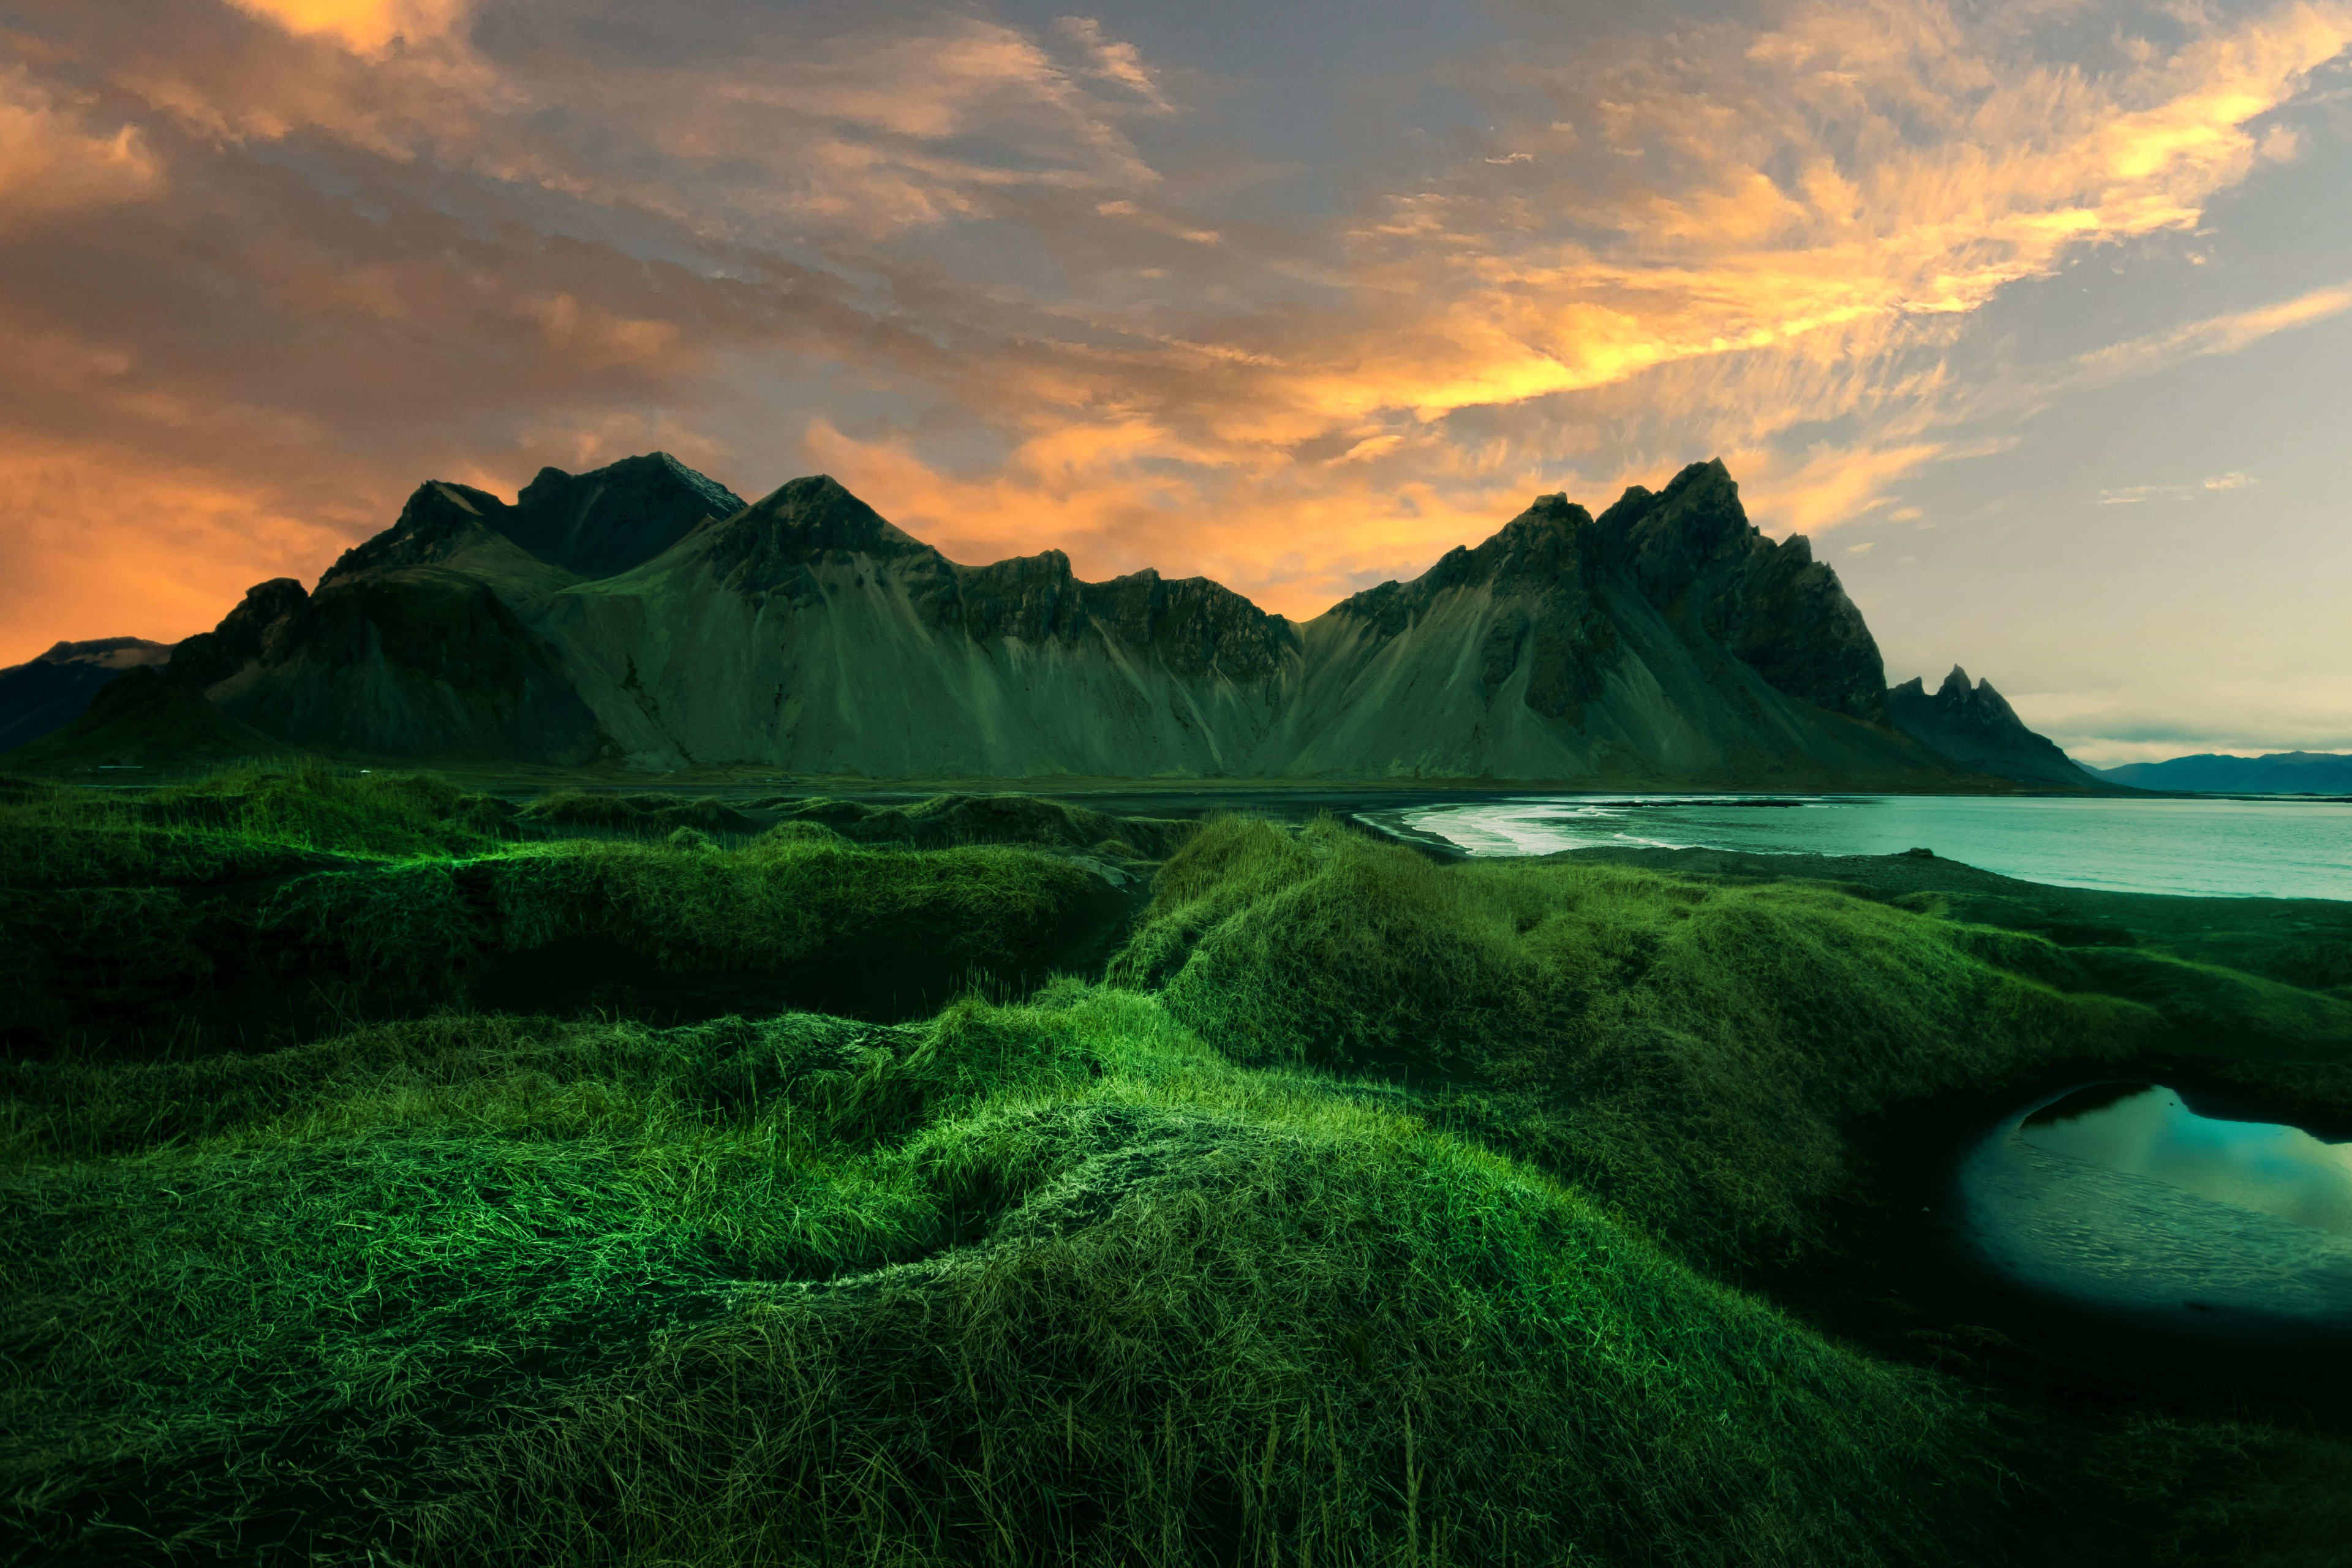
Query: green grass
{"points": [[945, 821], [269, 906], [1040, 1281], [640, 813], [237, 825], [1700, 1055], [1372, 1212]]}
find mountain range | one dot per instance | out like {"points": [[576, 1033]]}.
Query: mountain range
{"points": [[644, 616], [2281, 773]]}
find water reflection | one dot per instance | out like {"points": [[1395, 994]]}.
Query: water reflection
{"points": [[2125, 1198], [2148, 1130]]}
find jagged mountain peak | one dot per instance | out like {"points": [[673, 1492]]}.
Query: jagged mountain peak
{"points": [[1959, 694], [1666, 640], [1974, 724], [597, 524], [243, 634], [1541, 547], [771, 543], [606, 520], [435, 521], [647, 471], [1669, 538]]}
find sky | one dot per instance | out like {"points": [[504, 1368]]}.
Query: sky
{"points": [[2035, 316]]}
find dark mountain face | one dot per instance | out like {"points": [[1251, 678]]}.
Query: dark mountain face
{"points": [[397, 653], [778, 544], [1691, 550], [642, 612], [1975, 726], [1546, 568], [258, 629], [50, 691], [597, 524], [785, 544], [622, 515]]}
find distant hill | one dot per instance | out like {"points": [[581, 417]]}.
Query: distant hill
{"points": [[642, 614], [50, 691], [147, 719], [2281, 773]]}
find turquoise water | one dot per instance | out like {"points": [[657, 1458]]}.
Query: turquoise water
{"points": [[2148, 1130], [2269, 849], [2122, 1198]]}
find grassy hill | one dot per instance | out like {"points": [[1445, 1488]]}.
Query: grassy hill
{"points": [[1361, 1209]]}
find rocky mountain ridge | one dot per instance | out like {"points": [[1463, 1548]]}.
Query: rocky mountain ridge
{"points": [[641, 614], [1974, 725]]}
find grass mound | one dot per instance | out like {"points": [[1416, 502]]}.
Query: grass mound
{"points": [[1700, 1054], [235, 824], [1051, 1282], [647, 816], [267, 906], [948, 820]]}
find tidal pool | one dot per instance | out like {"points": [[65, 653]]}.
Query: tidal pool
{"points": [[2121, 1197]]}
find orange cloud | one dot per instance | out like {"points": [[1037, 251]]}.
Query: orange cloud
{"points": [[368, 25], [52, 161], [947, 233], [1292, 545], [102, 540]]}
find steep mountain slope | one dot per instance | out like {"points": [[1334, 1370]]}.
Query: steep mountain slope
{"points": [[809, 633], [416, 640], [1667, 640], [2280, 773], [1976, 727], [51, 690], [641, 614]]}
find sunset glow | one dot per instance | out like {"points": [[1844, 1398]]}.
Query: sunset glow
{"points": [[271, 263]]}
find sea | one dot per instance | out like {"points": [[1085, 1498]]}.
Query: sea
{"points": [[2259, 847]]}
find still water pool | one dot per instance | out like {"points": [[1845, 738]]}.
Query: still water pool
{"points": [[2270, 848], [2122, 1198]]}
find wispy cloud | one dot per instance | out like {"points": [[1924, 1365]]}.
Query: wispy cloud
{"points": [[2130, 494], [1003, 279], [2223, 334]]}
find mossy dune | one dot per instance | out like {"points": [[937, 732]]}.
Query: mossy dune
{"points": [[1371, 1211], [1698, 1054], [1043, 1279], [262, 906]]}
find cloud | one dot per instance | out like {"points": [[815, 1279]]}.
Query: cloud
{"points": [[2223, 334], [2129, 495], [53, 160], [368, 25], [102, 540], [1012, 282], [1112, 60]]}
